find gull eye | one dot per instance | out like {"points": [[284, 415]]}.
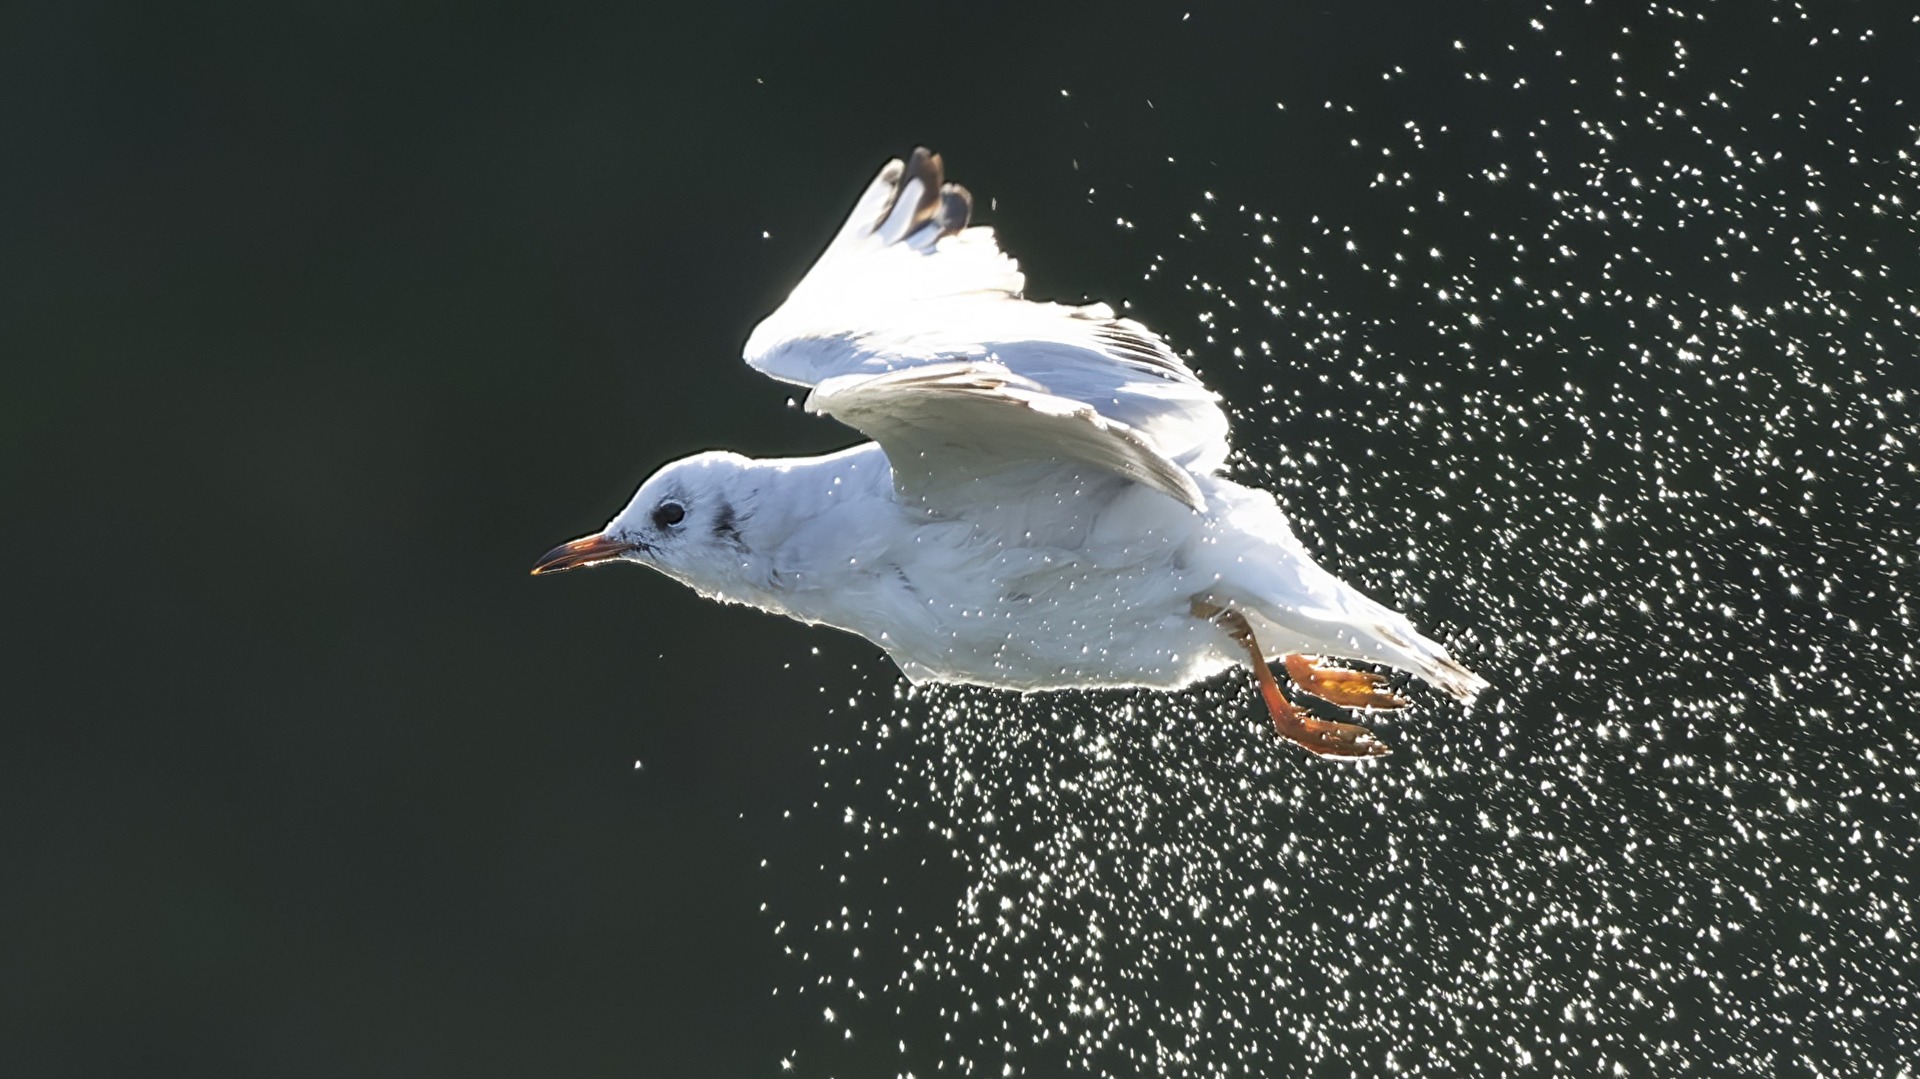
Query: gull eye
{"points": [[668, 514]]}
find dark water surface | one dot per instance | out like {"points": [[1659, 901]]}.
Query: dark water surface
{"points": [[1586, 336]]}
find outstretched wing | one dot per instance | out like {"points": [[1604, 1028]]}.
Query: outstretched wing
{"points": [[911, 328]]}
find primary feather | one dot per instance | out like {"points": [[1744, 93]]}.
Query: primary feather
{"points": [[906, 285]]}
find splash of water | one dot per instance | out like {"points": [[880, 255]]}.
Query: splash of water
{"points": [[1625, 413]]}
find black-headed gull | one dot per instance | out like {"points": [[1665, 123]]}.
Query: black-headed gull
{"points": [[1040, 507]]}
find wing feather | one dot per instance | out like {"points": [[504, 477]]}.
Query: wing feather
{"points": [[911, 308], [946, 425]]}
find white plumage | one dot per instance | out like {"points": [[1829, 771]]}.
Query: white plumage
{"points": [[1039, 508]]}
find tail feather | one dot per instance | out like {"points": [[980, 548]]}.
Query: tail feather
{"points": [[1442, 671], [1389, 640], [1297, 607]]}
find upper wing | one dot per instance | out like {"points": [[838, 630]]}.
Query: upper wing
{"points": [[947, 424], [911, 328]]}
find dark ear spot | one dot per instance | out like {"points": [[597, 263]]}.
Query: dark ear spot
{"points": [[725, 525]]}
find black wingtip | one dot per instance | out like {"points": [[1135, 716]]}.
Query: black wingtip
{"points": [[924, 166], [946, 206], [956, 209]]}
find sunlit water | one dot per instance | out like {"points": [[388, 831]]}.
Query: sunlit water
{"points": [[1623, 415]]}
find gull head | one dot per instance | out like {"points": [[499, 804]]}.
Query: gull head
{"points": [[684, 521]]}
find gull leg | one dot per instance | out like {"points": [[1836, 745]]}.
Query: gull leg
{"points": [[1352, 689], [1323, 737]]}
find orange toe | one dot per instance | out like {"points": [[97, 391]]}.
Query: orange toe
{"points": [[1322, 737], [1337, 685]]}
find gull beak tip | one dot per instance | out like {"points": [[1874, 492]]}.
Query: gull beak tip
{"points": [[585, 551]]}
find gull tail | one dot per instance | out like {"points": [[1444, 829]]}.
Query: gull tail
{"points": [[1297, 607], [1358, 628], [1427, 659]]}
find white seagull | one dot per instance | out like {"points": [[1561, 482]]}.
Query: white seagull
{"points": [[1040, 507]]}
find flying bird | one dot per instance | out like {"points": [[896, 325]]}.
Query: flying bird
{"points": [[1040, 506]]}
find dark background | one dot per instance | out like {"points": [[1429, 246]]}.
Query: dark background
{"points": [[321, 322]]}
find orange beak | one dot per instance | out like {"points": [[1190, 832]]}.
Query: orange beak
{"points": [[585, 551]]}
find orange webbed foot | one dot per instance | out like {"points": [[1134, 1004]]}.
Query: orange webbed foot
{"points": [[1327, 738], [1322, 737], [1337, 685]]}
